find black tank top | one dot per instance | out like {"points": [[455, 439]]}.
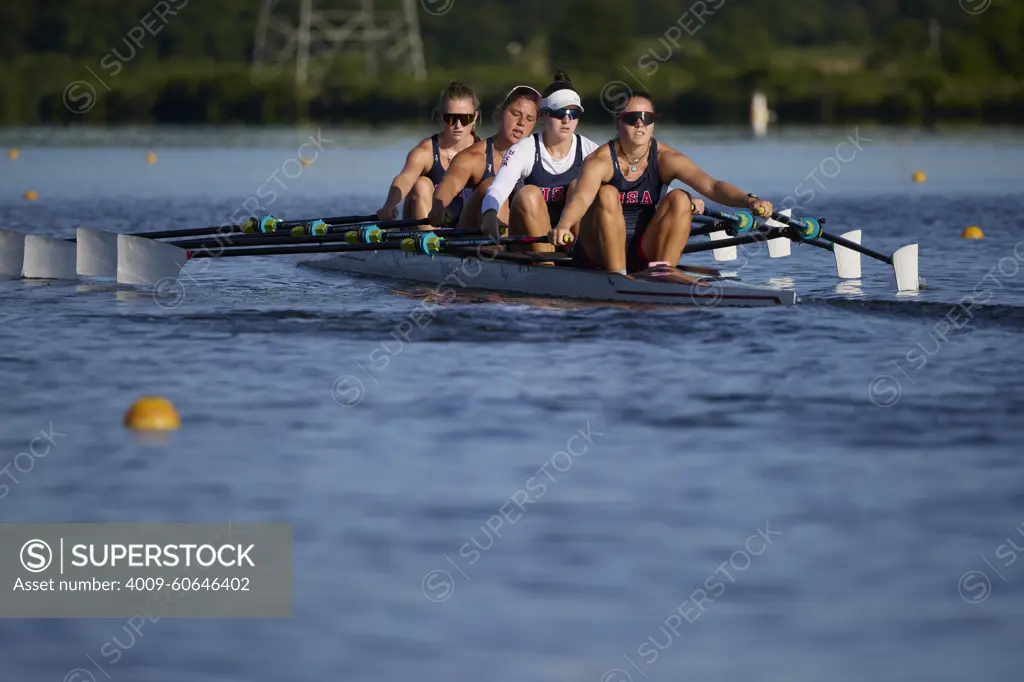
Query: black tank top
{"points": [[437, 171], [639, 197], [553, 186], [488, 165]]}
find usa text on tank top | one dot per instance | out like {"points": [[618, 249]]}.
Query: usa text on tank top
{"points": [[551, 185], [639, 198]]}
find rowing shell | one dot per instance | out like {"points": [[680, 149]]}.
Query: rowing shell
{"points": [[659, 285]]}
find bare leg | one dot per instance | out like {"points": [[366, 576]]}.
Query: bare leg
{"points": [[470, 217], [669, 229], [418, 201], [602, 231], [568, 195], [529, 217]]}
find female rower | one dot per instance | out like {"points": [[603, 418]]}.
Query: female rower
{"points": [[546, 165], [426, 164], [472, 170], [623, 227]]}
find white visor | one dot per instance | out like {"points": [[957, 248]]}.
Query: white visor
{"points": [[561, 99]]}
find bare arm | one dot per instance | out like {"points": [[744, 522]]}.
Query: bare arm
{"points": [[460, 172], [674, 165], [417, 164], [597, 171]]}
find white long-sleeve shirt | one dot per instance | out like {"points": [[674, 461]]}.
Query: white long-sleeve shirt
{"points": [[518, 164]]}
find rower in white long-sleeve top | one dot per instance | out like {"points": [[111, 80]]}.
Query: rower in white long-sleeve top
{"points": [[544, 166]]}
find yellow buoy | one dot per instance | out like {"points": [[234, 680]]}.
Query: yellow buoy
{"points": [[13, 154], [152, 413], [305, 162], [31, 195], [973, 232], [919, 177], [151, 158]]}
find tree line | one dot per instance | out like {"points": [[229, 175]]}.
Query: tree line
{"points": [[188, 60]]}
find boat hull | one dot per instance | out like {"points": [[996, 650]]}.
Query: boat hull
{"points": [[660, 285]]}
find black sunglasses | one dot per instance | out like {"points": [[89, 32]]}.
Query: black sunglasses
{"points": [[464, 119], [571, 112], [631, 117]]}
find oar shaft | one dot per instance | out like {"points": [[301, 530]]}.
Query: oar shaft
{"points": [[748, 238], [191, 232], [857, 247], [277, 239], [708, 228], [228, 229], [344, 247]]}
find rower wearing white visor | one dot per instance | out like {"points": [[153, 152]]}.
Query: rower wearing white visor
{"points": [[544, 165]]}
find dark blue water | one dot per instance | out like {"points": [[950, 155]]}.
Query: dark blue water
{"points": [[824, 492]]}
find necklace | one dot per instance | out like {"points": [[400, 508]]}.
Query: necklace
{"points": [[448, 155], [632, 162]]}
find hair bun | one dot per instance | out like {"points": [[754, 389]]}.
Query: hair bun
{"points": [[561, 77], [455, 83]]}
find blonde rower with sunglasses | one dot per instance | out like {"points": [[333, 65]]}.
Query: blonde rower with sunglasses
{"points": [[429, 160]]}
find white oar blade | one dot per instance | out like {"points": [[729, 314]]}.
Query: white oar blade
{"points": [[847, 260], [12, 253], [779, 248], [904, 262], [724, 254], [97, 253], [49, 258], [141, 260]]}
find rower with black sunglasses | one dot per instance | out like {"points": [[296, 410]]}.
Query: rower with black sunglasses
{"points": [[628, 217], [472, 171], [543, 166], [428, 161]]}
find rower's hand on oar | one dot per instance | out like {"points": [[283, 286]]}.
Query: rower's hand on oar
{"points": [[696, 206], [492, 226], [438, 213], [759, 207], [562, 236], [387, 212]]}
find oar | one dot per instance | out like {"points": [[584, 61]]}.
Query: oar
{"points": [[741, 221], [724, 225], [371, 235], [748, 238], [426, 243], [146, 261], [265, 224], [903, 260]]}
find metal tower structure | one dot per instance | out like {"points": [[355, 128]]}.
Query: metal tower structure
{"points": [[318, 31]]}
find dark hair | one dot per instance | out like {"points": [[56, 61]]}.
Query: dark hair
{"points": [[515, 94], [633, 94], [560, 82], [643, 94], [458, 90]]}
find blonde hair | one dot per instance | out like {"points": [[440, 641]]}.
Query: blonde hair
{"points": [[457, 90]]}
